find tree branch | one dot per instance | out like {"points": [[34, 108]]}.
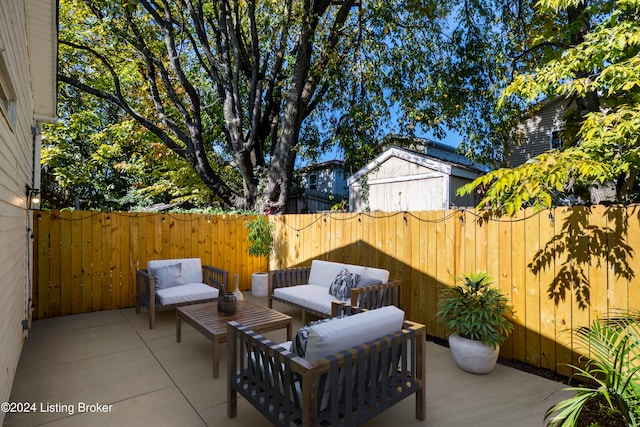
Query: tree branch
{"points": [[117, 99]]}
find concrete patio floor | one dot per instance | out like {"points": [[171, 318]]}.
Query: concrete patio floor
{"points": [[142, 377]]}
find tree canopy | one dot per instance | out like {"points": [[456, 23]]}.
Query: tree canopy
{"points": [[596, 64], [250, 86]]}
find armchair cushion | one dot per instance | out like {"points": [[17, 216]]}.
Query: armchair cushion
{"points": [[168, 276], [299, 343], [191, 268], [342, 284], [332, 337], [186, 293]]}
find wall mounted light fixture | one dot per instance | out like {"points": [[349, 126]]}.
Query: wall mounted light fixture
{"points": [[33, 197]]}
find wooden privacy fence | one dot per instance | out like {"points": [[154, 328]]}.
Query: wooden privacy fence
{"points": [[85, 261], [561, 268]]}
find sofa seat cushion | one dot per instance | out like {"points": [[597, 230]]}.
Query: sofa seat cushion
{"points": [[191, 268], [186, 293], [324, 272], [328, 338], [313, 297]]}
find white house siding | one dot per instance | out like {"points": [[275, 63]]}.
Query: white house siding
{"points": [[16, 171], [537, 132]]}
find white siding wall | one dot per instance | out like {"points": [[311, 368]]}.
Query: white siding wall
{"points": [[16, 153]]}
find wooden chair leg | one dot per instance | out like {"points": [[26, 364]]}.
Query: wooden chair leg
{"points": [[421, 404], [232, 401]]}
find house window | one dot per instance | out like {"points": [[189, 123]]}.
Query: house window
{"points": [[555, 142], [313, 182], [7, 94]]}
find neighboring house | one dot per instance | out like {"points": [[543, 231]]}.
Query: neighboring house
{"points": [[400, 179], [322, 186], [28, 59], [540, 132]]}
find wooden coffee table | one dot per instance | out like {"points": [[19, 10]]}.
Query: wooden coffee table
{"points": [[205, 319]]}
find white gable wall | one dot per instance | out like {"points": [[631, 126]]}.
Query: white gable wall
{"points": [[401, 180], [406, 195], [397, 184]]}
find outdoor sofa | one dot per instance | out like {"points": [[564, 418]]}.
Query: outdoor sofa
{"points": [[309, 288], [354, 368], [170, 283]]}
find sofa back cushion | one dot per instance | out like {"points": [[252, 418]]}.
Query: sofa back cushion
{"points": [[191, 268], [323, 273], [328, 338]]}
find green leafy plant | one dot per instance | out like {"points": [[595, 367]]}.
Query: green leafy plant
{"points": [[610, 371], [260, 236], [475, 310]]}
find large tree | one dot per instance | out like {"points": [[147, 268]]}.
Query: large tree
{"points": [[595, 63], [239, 77]]}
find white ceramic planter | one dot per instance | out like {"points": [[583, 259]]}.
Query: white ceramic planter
{"points": [[473, 356], [259, 284]]}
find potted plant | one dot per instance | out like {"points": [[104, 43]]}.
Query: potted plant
{"points": [[476, 316], [260, 238]]}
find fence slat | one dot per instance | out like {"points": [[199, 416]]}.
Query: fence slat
{"points": [[545, 274], [55, 267], [531, 287]]}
